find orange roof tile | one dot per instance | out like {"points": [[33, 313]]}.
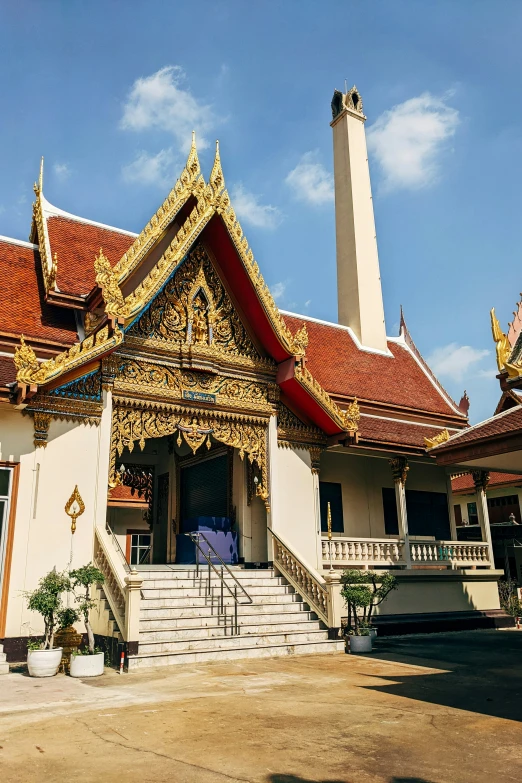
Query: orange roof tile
{"points": [[24, 310], [464, 484], [342, 368], [76, 245], [383, 430]]}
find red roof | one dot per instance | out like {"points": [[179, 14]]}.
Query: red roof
{"points": [[7, 370], [464, 484], [76, 245], [24, 310], [384, 430], [343, 369], [509, 421]]}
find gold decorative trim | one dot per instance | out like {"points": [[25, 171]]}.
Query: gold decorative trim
{"points": [[131, 425], [503, 346], [347, 419], [42, 423], [436, 440], [31, 371], [107, 279], [292, 432], [66, 409], [400, 468], [49, 264]]}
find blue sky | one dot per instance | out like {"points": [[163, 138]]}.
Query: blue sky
{"points": [[109, 91]]}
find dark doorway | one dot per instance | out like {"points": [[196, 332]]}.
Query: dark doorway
{"points": [[204, 487]]}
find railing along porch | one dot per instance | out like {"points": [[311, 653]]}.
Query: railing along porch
{"points": [[348, 552]]}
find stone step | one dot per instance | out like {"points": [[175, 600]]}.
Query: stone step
{"points": [[200, 591], [247, 582], [204, 601], [190, 573], [201, 656], [167, 611], [230, 642], [165, 622], [209, 631]]}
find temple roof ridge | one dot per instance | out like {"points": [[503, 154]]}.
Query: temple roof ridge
{"points": [[21, 242]]}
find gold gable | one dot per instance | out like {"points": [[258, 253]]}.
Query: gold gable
{"points": [[193, 309]]}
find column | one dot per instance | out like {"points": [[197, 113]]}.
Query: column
{"points": [[399, 466], [315, 466], [481, 481], [451, 510]]}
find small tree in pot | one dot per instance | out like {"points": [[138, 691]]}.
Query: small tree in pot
{"points": [[83, 579], [364, 590], [47, 601]]}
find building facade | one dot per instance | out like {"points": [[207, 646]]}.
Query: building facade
{"points": [[150, 386]]}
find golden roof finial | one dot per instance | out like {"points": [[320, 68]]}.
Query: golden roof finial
{"points": [[107, 280], [26, 363], [436, 440], [217, 180], [40, 178], [192, 164]]}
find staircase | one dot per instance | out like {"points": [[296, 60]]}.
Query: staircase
{"points": [[179, 624], [4, 666]]}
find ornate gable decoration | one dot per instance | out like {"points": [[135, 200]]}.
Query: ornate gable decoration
{"points": [[194, 309]]}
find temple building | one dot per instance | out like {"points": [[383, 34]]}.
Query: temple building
{"points": [[220, 460]]}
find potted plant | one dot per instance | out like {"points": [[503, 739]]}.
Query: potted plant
{"points": [[362, 592], [43, 660], [67, 636], [88, 662]]}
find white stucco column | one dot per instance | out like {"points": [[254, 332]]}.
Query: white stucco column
{"points": [[315, 459], [104, 448], [451, 510], [481, 481], [273, 485], [399, 466]]}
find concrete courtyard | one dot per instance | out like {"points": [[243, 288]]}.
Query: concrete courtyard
{"points": [[432, 709]]}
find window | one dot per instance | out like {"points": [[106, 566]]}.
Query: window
{"points": [[331, 493], [428, 513], [6, 475], [472, 514], [500, 509], [138, 544]]}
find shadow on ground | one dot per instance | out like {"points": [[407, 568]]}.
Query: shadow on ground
{"points": [[295, 779], [483, 672]]}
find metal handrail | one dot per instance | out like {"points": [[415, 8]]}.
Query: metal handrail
{"points": [[194, 537], [118, 548]]}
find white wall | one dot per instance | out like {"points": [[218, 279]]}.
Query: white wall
{"points": [[292, 499], [42, 535]]}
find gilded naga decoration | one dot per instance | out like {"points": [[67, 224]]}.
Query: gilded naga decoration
{"points": [[108, 282], [436, 440], [301, 341], [503, 347]]}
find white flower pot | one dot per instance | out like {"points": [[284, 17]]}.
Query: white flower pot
{"points": [[87, 665], [360, 644], [44, 663]]}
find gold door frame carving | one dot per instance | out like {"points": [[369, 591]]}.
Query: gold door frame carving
{"points": [[134, 423]]}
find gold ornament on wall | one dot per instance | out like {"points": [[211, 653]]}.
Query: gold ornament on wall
{"points": [[74, 508]]}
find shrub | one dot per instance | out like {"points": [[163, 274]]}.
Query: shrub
{"points": [[85, 577], [47, 601], [364, 590]]}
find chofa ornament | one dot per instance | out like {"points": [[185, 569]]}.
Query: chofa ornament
{"points": [[74, 508]]}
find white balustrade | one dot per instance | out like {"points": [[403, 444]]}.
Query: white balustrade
{"points": [[363, 551], [370, 552], [307, 582]]}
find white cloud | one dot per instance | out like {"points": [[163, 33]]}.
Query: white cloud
{"points": [[249, 209], [278, 291], [408, 140], [62, 170], [162, 101], [310, 181], [454, 361], [151, 169]]}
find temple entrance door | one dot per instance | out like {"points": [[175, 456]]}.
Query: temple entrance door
{"points": [[205, 504]]}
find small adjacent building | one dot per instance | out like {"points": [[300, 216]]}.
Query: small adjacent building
{"points": [[152, 379]]}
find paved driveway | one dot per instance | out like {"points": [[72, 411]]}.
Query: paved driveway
{"points": [[437, 709]]}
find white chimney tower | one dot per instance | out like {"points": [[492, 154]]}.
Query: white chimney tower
{"points": [[359, 292]]}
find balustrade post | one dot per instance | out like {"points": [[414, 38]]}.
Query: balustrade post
{"points": [[481, 481], [399, 466], [134, 582], [335, 601]]}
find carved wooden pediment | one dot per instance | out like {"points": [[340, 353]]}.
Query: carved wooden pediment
{"points": [[194, 310]]}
